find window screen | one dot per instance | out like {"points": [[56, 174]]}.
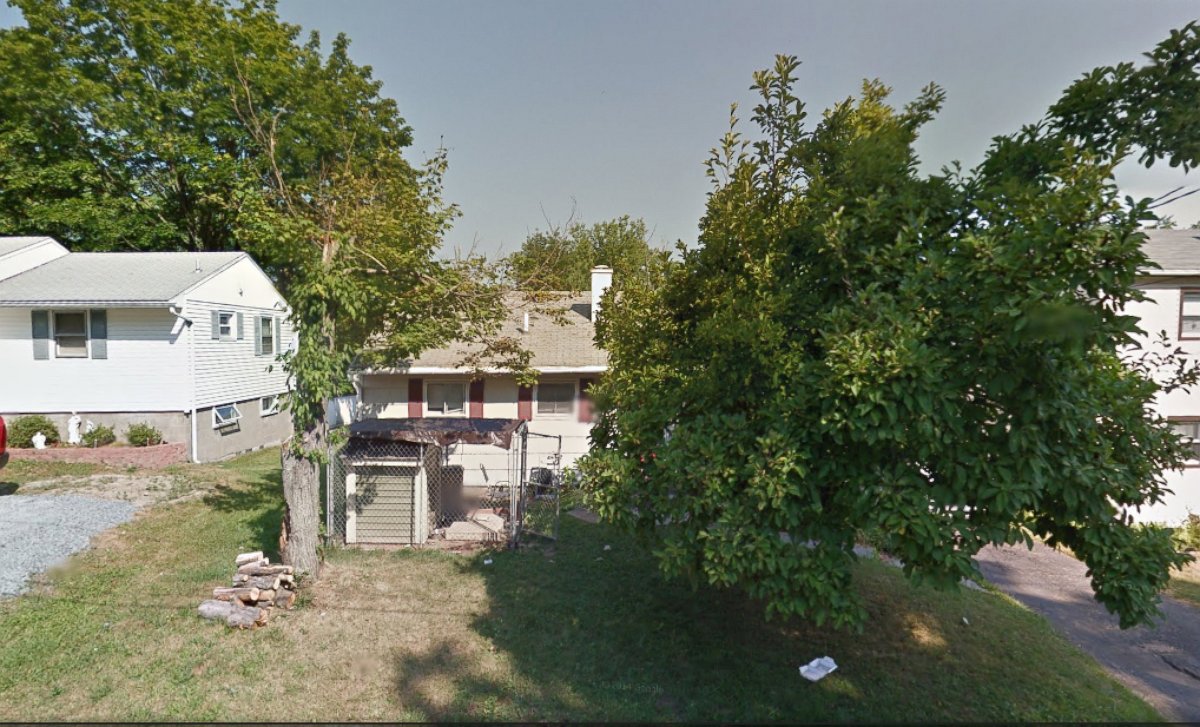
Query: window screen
{"points": [[447, 398], [1190, 431], [1189, 322], [555, 398], [266, 336], [70, 335]]}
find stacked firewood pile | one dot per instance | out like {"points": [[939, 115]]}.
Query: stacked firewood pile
{"points": [[257, 587]]}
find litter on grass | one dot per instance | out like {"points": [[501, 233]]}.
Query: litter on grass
{"points": [[818, 669], [608, 547], [487, 561]]}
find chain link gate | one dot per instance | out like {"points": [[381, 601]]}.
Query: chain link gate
{"points": [[381, 492], [543, 489]]}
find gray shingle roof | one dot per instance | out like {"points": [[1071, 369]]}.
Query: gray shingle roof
{"points": [[567, 344], [12, 244], [113, 278], [1173, 250]]}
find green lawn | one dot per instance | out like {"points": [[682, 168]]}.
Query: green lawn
{"points": [[570, 632]]}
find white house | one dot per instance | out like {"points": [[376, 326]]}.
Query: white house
{"points": [[558, 410], [1173, 306], [185, 341]]}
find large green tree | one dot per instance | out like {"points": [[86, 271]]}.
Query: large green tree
{"points": [[118, 130], [208, 125], [941, 360], [561, 258]]}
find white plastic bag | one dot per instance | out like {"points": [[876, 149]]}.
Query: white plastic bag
{"points": [[818, 669]]}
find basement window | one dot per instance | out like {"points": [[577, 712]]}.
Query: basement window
{"points": [[269, 405], [226, 415]]}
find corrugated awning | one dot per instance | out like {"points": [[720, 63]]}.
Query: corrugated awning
{"points": [[438, 430]]}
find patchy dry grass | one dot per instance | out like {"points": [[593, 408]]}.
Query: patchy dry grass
{"points": [[1185, 584], [140, 486], [19, 472], [569, 632]]}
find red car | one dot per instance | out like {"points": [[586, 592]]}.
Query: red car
{"points": [[3, 443]]}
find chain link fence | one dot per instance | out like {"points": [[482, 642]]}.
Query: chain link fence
{"points": [[402, 494]]}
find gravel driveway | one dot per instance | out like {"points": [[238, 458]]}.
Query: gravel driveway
{"points": [[38, 532]]}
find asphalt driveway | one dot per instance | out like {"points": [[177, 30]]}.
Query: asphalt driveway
{"points": [[1160, 664]]}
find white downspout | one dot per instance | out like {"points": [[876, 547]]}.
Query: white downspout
{"points": [[191, 345], [192, 380]]}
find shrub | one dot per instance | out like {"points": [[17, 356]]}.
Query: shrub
{"points": [[22, 429], [143, 435], [99, 437], [1187, 535]]}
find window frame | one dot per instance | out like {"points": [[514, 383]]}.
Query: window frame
{"points": [[264, 411], [220, 422], [232, 335], [430, 411], [1183, 294], [266, 327], [571, 400], [1194, 422], [87, 339]]}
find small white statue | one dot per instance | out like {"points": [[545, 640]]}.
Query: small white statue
{"points": [[39, 441], [73, 423]]}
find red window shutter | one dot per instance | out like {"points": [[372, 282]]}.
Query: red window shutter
{"points": [[525, 402], [416, 398], [585, 400], [476, 396]]}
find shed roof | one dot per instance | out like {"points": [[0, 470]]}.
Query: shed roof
{"points": [[135, 279], [442, 431]]}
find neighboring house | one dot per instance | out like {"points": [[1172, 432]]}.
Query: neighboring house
{"points": [[1174, 307], [185, 341], [557, 408]]}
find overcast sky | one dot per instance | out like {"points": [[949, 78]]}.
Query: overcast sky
{"points": [[610, 108]]}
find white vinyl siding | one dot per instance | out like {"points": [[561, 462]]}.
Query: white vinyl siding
{"points": [[233, 370], [145, 367]]}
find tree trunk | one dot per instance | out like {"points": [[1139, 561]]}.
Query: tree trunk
{"points": [[301, 488]]}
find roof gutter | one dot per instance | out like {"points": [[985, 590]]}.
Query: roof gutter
{"points": [[85, 303], [1168, 273], [433, 370]]}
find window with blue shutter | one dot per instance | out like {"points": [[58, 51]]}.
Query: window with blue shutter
{"points": [[98, 320], [41, 335]]}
